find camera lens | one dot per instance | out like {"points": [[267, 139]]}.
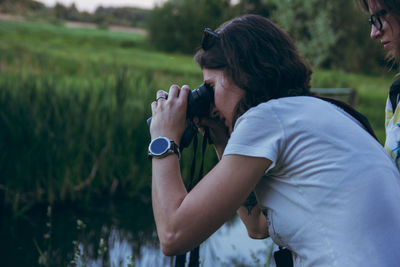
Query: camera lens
{"points": [[199, 102]]}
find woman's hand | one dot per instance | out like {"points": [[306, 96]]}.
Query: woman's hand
{"points": [[169, 113], [218, 132], [256, 223]]}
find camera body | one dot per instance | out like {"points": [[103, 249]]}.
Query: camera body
{"points": [[199, 102]]}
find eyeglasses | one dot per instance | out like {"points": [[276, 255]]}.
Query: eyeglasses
{"points": [[375, 19], [209, 38]]}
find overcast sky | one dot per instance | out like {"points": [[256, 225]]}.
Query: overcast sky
{"points": [[91, 5]]}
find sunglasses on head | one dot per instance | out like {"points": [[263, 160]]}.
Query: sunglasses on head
{"points": [[209, 39]]}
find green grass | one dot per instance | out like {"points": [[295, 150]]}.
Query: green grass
{"points": [[73, 106], [57, 49]]}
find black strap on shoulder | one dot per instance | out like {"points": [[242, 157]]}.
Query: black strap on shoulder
{"points": [[349, 109], [394, 94]]}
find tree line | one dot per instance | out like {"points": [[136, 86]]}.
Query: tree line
{"points": [[329, 34], [102, 16]]}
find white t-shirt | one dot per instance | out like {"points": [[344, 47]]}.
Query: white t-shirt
{"points": [[332, 193]]}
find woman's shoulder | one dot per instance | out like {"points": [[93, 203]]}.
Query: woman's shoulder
{"points": [[297, 110], [286, 105], [280, 111]]}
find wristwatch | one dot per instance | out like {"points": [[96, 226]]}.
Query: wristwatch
{"points": [[162, 147]]}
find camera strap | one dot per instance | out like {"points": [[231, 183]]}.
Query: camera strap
{"points": [[195, 253], [194, 181]]}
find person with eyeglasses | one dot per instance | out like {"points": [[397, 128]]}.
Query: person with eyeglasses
{"points": [[385, 26], [322, 185]]}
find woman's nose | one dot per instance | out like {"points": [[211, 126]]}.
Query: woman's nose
{"points": [[375, 33]]}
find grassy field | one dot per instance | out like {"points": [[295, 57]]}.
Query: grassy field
{"points": [[73, 106]]}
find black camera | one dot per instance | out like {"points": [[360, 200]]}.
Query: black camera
{"points": [[199, 102]]}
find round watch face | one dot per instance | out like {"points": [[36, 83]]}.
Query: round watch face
{"points": [[159, 146]]}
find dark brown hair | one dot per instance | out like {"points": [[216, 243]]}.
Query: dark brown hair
{"points": [[259, 58], [391, 6]]}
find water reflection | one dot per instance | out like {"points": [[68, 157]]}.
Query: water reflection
{"points": [[128, 231], [229, 246]]}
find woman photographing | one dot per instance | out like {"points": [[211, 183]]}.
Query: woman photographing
{"points": [[325, 188]]}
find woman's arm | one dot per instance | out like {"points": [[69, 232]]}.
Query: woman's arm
{"points": [[184, 220], [255, 222]]}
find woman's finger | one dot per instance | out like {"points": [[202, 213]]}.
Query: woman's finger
{"points": [[173, 91], [184, 93], [161, 94], [153, 107], [185, 89]]}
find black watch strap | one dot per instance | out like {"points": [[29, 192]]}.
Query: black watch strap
{"points": [[175, 149]]}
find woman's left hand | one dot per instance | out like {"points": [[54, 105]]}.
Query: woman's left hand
{"points": [[169, 113]]}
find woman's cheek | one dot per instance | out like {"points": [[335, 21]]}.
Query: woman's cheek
{"points": [[219, 100]]}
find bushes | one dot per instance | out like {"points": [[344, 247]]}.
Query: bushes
{"points": [[57, 141], [177, 26], [329, 34]]}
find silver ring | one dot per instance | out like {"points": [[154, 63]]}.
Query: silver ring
{"points": [[164, 97]]}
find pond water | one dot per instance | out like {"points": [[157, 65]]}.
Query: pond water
{"points": [[229, 246], [113, 234]]}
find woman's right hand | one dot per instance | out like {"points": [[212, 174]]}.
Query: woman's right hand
{"points": [[218, 132], [169, 113]]}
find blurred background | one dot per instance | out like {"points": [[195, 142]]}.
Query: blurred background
{"points": [[76, 82]]}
